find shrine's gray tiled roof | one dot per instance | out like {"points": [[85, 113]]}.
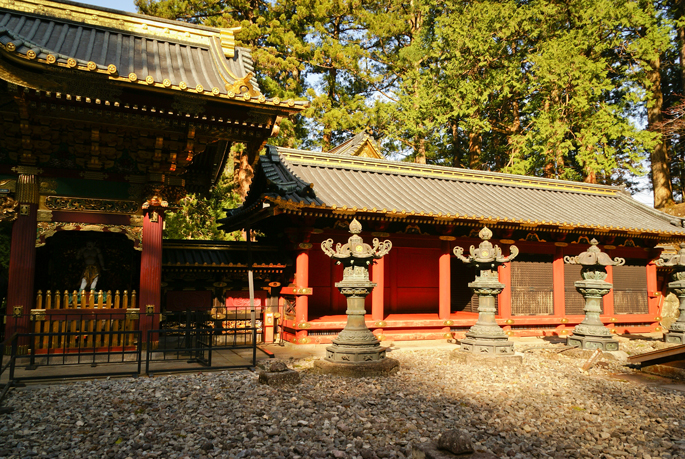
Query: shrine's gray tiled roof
{"points": [[218, 254], [398, 190], [134, 48]]}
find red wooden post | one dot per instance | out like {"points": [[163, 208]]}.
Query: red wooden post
{"points": [[559, 295], [558, 283], [444, 284], [609, 298], [378, 276], [151, 272], [392, 276], [652, 288], [504, 298], [302, 301], [23, 259]]}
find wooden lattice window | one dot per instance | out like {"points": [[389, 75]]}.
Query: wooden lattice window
{"points": [[532, 285], [630, 288], [574, 301], [463, 298]]}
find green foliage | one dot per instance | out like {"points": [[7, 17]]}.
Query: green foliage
{"points": [[539, 87], [197, 217]]}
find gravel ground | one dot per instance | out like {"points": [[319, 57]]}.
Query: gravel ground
{"points": [[546, 408]]}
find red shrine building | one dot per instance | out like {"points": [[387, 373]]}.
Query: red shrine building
{"points": [[300, 198], [108, 119]]}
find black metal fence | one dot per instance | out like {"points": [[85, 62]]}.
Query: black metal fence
{"points": [[116, 342]]}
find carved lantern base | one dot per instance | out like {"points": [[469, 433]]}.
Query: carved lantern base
{"points": [[592, 342], [488, 347], [486, 337], [356, 343], [676, 332], [676, 337], [591, 333]]}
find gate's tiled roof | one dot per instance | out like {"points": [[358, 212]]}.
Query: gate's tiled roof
{"points": [[132, 48], [219, 254], [302, 179]]}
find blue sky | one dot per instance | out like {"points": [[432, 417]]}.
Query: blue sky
{"points": [[123, 5]]}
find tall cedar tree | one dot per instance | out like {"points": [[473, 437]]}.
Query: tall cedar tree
{"points": [[542, 87]]}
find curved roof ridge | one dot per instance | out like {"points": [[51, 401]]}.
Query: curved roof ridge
{"points": [[50, 4], [442, 172]]}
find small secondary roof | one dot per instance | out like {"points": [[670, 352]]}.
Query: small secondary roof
{"points": [[298, 179], [220, 254]]}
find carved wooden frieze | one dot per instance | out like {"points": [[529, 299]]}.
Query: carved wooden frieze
{"points": [[48, 229], [91, 205]]}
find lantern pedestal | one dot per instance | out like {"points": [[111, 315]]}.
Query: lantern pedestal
{"points": [[676, 332], [356, 352], [591, 332], [486, 338], [355, 343]]}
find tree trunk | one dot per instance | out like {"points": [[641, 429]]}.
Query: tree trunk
{"points": [[457, 153], [679, 15], [421, 151], [475, 144], [661, 173]]}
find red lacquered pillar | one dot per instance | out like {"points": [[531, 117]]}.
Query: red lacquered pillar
{"points": [[444, 286], [559, 292], [22, 265], [378, 276], [302, 301], [151, 273]]}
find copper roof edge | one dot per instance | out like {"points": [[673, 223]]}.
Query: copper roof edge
{"points": [[42, 7]]}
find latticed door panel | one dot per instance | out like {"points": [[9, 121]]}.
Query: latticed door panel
{"points": [[463, 298], [532, 285], [630, 288], [574, 301]]}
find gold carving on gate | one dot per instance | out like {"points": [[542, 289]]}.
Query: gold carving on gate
{"points": [[37, 315], [49, 229], [90, 205], [8, 209], [243, 86]]}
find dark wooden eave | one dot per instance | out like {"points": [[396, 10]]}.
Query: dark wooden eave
{"points": [[221, 255], [92, 79]]}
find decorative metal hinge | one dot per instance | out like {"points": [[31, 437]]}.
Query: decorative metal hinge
{"points": [[149, 309], [37, 315], [17, 311], [132, 314]]}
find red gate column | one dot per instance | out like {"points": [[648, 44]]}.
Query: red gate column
{"points": [[151, 272], [444, 286], [23, 258], [653, 299], [504, 298], [378, 276], [302, 301], [377, 296], [559, 293], [609, 297]]}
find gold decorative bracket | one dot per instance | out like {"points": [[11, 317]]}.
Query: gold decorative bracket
{"points": [[37, 315], [149, 309], [242, 86], [17, 311], [228, 41]]}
